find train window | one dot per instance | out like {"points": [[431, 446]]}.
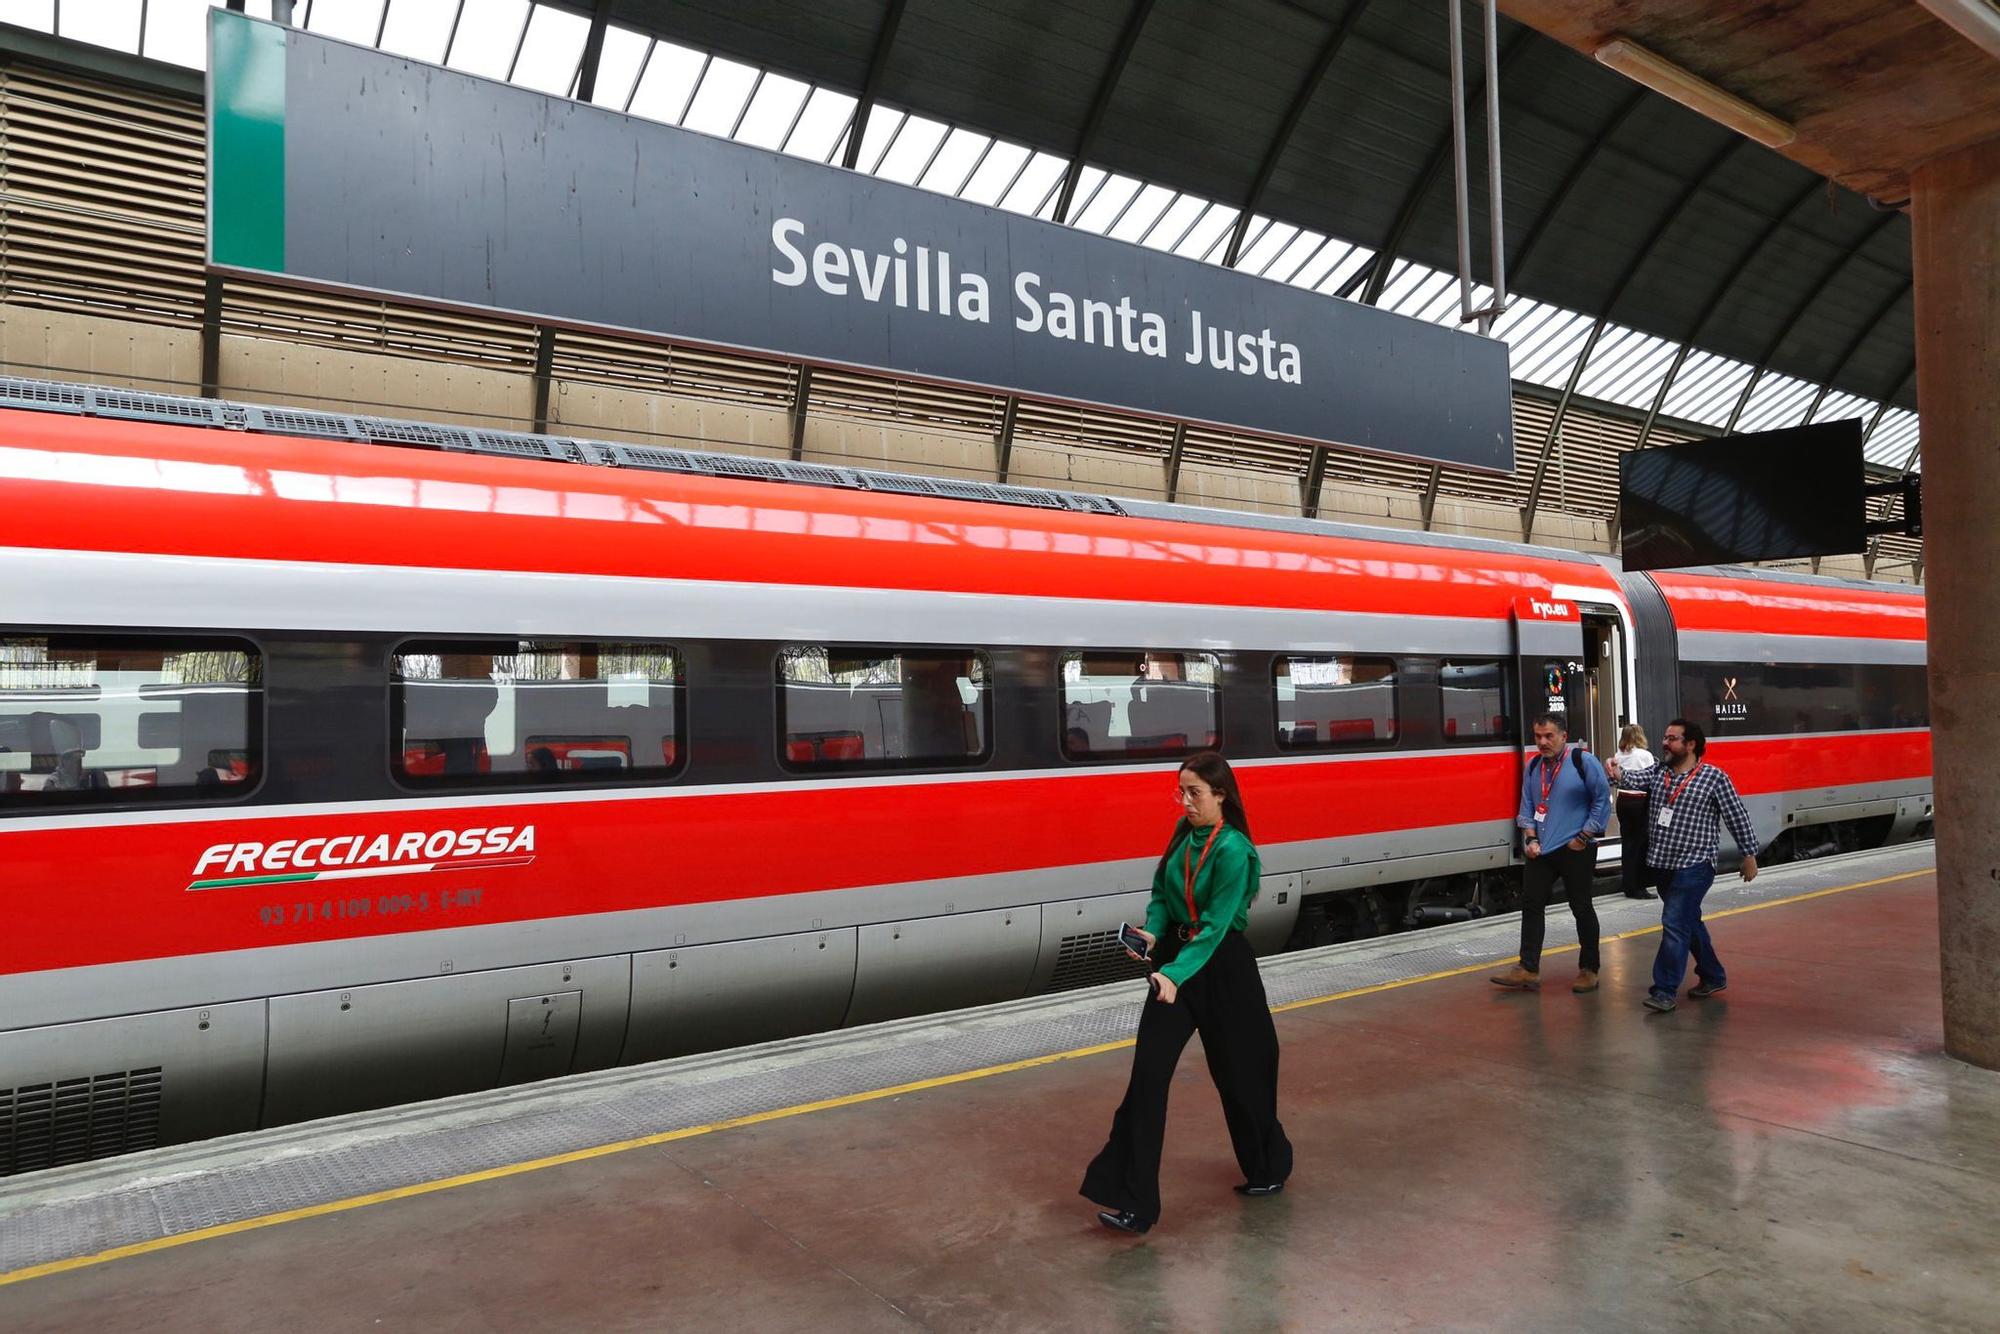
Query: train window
{"points": [[1775, 699], [1335, 701], [90, 718], [1472, 700], [844, 708], [1138, 703], [535, 711]]}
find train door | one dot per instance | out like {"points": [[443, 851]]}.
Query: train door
{"points": [[1552, 667]]}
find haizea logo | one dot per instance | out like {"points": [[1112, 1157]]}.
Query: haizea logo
{"points": [[354, 856]]}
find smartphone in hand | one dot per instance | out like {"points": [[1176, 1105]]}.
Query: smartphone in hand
{"points": [[1131, 939]]}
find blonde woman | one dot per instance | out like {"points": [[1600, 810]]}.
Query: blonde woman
{"points": [[1633, 822]]}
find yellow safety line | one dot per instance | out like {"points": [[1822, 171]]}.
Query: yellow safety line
{"points": [[779, 1114]]}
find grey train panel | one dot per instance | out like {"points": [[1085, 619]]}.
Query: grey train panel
{"points": [[943, 963], [1729, 647], [1080, 940], [1273, 912], [1369, 872], [1659, 683], [704, 997], [353, 1048], [210, 1063]]}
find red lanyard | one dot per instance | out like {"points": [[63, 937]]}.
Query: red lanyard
{"points": [[1673, 791], [1193, 869], [1549, 772]]}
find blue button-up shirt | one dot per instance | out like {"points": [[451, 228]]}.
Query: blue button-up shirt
{"points": [[1577, 805]]}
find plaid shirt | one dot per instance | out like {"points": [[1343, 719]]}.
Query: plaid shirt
{"points": [[1702, 802]]}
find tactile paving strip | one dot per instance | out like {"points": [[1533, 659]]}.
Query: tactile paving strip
{"points": [[95, 1207]]}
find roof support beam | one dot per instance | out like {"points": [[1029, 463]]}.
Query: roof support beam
{"points": [[1718, 296], [1867, 331], [1300, 101], [1576, 173], [545, 360], [1003, 441], [1379, 268], [877, 63], [1427, 503], [1315, 479], [801, 401], [1625, 279], [1799, 312], [1128, 39], [211, 336], [1174, 462], [593, 49]]}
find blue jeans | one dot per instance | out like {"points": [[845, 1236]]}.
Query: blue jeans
{"points": [[1681, 893]]}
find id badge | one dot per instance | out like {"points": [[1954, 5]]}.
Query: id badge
{"points": [[1666, 817], [1541, 814]]}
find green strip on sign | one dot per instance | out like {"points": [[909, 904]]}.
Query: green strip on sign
{"points": [[246, 136], [254, 880]]}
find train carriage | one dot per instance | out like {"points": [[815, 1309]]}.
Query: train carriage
{"points": [[334, 774]]}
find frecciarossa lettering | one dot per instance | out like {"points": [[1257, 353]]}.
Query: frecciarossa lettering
{"points": [[358, 851]]}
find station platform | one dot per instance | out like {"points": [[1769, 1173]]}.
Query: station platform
{"points": [[1796, 1152]]}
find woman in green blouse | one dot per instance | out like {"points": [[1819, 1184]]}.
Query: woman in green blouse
{"points": [[1206, 982]]}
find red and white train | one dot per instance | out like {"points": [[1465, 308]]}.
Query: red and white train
{"points": [[335, 774]]}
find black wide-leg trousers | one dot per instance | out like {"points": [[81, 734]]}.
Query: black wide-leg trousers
{"points": [[1224, 1002]]}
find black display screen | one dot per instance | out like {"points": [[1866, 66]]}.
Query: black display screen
{"points": [[1776, 495]]}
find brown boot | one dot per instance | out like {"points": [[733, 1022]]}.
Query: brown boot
{"points": [[1518, 978], [1586, 980]]}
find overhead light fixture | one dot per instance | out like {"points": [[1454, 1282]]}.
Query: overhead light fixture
{"points": [[1976, 20], [1695, 93]]}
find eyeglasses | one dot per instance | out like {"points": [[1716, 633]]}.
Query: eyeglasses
{"points": [[1184, 795]]}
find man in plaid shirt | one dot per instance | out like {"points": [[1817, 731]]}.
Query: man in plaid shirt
{"points": [[1688, 801]]}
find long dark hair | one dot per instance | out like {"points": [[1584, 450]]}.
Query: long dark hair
{"points": [[1212, 769]]}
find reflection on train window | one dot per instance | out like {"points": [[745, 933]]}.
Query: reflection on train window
{"points": [[1472, 698], [839, 708], [1136, 703], [88, 718], [1335, 701], [535, 711]]}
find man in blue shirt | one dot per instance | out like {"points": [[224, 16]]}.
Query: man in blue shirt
{"points": [[1565, 806]]}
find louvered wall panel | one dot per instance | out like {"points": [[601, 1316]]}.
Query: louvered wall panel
{"points": [[364, 324], [101, 198], [906, 403], [1066, 426], [1204, 444], [682, 372]]}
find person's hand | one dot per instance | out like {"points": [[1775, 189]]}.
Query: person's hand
{"points": [[1577, 844], [1533, 848], [1749, 869], [1150, 942], [1164, 988], [1611, 770]]}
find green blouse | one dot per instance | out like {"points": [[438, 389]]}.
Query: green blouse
{"points": [[1223, 888]]}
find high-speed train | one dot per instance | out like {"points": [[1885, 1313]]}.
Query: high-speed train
{"points": [[336, 772]]}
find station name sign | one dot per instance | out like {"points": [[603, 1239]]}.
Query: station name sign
{"points": [[341, 166]]}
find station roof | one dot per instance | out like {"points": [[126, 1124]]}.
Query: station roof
{"points": [[1333, 115]]}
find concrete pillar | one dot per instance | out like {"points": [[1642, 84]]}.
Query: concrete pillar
{"points": [[1955, 235]]}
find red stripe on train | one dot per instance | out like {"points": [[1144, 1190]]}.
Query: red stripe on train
{"points": [[89, 484], [104, 895], [1768, 606]]}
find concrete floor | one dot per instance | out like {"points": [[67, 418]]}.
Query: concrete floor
{"points": [[1797, 1154]]}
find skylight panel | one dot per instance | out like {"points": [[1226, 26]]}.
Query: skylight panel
{"points": [[1146, 209], [348, 20], [668, 83], [37, 14], [719, 102], [418, 29], [1271, 243], [1779, 401], [1029, 191], [1343, 271], [488, 35], [991, 178], [1838, 406], [884, 124], [1108, 198], [110, 23], [910, 155], [954, 161], [176, 31], [821, 126]]}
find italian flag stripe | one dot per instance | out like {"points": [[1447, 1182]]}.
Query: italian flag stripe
{"points": [[363, 872]]}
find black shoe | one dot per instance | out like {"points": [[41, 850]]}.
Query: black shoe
{"points": [[1256, 1191], [1702, 991], [1125, 1221], [1661, 1002]]}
